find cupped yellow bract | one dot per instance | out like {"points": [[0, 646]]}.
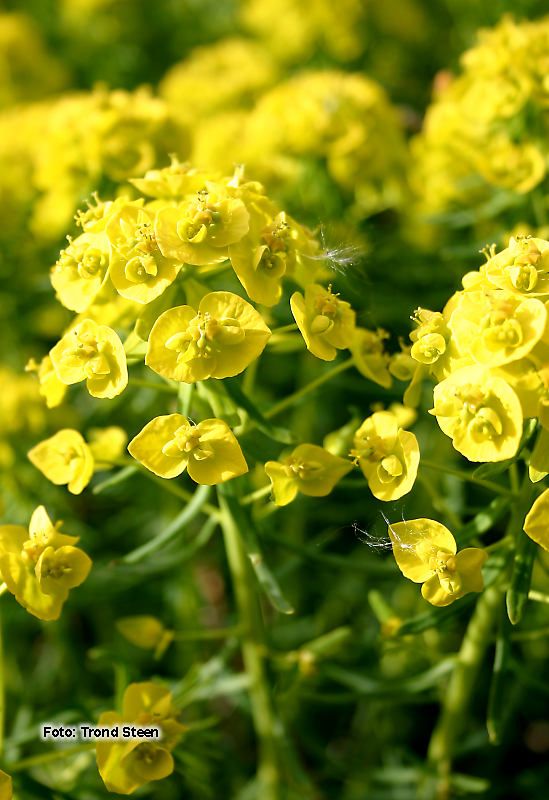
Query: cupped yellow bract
{"points": [[327, 323], [146, 632], [387, 455], [480, 412], [93, 353], [218, 340], [51, 388], [199, 230], [6, 789], [170, 444], [496, 327], [309, 469], [126, 765], [426, 552], [107, 445], [370, 357], [81, 270], [536, 523], [40, 565], [64, 458], [139, 271], [522, 267]]}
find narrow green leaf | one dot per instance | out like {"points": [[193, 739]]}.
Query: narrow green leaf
{"points": [[499, 687], [275, 432], [521, 577]]}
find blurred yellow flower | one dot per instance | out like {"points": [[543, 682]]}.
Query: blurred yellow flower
{"points": [[536, 524], [107, 445], [6, 791], [309, 469], [370, 357], [64, 458], [171, 444], [426, 552], [126, 765], [40, 565], [219, 340]]}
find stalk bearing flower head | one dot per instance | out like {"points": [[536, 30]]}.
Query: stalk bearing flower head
{"points": [[64, 458], [171, 444], [126, 765], [41, 565], [81, 270], [426, 552], [309, 469], [139, 271], [200, 229], [326, 323], [480, 412], [219, 340], [497, 327], [93, 353], [387, 455]]}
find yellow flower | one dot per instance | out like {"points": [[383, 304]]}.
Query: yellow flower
{"points": [[6, 791], [146, 632], [326, 323], [81, 270], [387, 455], [273, 248], [93, 353], [536, 524], [219, 340], [64, 458], [426, 552], [126, 765], [41, 565], [171, 444], [523, 267], [310, 469], [51, 388], [480, 412], [497, 327], [370, 357], [200, 229], [107, 445]]}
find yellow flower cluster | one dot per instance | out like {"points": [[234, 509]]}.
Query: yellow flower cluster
{"points": [[329, 126], [54, 153], [487, 128], [127, 765], [27, 70], [487, 351], [40, 565]]}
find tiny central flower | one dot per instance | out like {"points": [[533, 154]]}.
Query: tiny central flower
{"points": [[304, 470]]}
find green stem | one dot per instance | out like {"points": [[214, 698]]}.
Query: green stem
{"points": [[207, 634], [266, 725], [3, 588], [257, 495], [46, 758], [284, 329], [309, 387], [465, 476], [457, 696]]}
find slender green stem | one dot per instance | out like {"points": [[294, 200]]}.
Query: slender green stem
{"points": [[309, 387], [208, 633], [46, 758], [377, 567], [458, 693], [257, 495], [465, 476], [266, 725], [284, 329], [538, 597]]}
